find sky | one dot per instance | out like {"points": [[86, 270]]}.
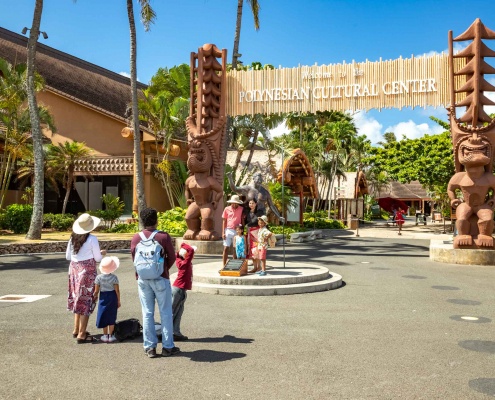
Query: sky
{"points": [[291, 34]]}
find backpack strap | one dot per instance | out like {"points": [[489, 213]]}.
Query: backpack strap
{"points": [[144, 238]]}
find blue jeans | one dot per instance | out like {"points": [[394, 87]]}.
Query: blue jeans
{"points": [[159, 290], [179, 297]]}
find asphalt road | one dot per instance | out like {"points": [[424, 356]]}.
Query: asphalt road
{"points": [[395, 330]]}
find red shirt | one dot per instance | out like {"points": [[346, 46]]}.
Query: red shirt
{"points": [[166, 242], [184, 268], [232, 217]]}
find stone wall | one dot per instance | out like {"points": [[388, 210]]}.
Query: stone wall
{"points": [[57, 247]]}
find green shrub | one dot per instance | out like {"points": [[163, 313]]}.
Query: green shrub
{"points": [[124, 228], [320, 220], [3, 220], [47, 220], [114, 209], [62, 222], [18, 217], [287, 229], [173, 221]]}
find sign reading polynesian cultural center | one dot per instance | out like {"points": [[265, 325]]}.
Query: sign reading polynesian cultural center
{"points": [[411, 82]]}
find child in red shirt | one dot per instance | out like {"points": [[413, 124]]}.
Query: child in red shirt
{"points": [[182, 284]]}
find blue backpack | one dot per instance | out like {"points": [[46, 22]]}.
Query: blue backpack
{"points": [[148, 259]]}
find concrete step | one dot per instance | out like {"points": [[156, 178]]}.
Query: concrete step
{"points": [[277, 274], [294, 278]]}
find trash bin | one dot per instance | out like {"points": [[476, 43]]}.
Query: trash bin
{"points": [[420, 218]]}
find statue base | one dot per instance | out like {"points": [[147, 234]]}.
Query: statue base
{"points": [[204, 246], [444, 252]]}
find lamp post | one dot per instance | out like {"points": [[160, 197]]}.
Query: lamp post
{"points": [[25, 29], [283, 202]]}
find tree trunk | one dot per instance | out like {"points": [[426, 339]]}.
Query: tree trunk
{"points": [[39, 180], [138, 166], [68, 188], [237, 36], [251, 150]]}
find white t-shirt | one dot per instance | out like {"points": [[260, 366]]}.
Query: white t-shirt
{"points": [[90, 249]]}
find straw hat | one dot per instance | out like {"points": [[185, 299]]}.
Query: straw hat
{"points": [[235, 199], [85, 224], [109, 264], [264, 218]]}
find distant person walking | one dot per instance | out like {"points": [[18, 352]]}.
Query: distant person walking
{"points": [[83, 252], [399, 219], [159, 290], [231, 217], [108, 290]]}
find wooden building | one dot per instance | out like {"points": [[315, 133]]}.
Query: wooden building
{"points": [[90, 104]]}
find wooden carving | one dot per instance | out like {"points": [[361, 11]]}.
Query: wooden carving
{"points": [[473, 139], [207, 144]]}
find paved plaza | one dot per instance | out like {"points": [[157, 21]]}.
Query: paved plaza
{"points": [[400, 327]]}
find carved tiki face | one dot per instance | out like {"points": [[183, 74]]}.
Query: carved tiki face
{"points": [[473, 147], [199, 159]]}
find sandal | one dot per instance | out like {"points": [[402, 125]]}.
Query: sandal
{"points": [[87, 339], [74, 335]]}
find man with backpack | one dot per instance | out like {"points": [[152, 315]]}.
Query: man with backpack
{"points": [[153, 255]]}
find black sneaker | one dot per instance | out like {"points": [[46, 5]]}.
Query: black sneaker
{"points": [[151, 353], [170, 352], [180, 338]]}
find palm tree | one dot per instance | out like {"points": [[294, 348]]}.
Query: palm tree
{"points": [[63, 158], [15, 117], [147, 17], [164, 118], [255, 8], [34, 231]]}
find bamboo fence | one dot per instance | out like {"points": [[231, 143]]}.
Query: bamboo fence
{"points": [[411, 82]]}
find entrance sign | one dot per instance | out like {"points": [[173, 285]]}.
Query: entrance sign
{"points": [[411, 82]]}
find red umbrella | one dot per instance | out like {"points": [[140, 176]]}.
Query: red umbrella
{"points": [[389, 203]]}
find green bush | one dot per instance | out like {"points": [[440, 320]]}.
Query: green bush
{"points": [[287, 229], [47, 220], [173, 221], [62, 222], [320, 220], [124, 228], [114, 209], [18, 217], [3, 220]]}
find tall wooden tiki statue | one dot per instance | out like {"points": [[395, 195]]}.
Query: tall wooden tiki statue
{"points": [[472, 188], [206, 128]]}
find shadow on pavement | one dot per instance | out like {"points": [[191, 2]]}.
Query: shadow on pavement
{"points": [[223, 339], [211, 355]]}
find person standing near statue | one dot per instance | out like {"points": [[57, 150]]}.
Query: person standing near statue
{"points": [[257, 192], [251, 219], [231, 217]]}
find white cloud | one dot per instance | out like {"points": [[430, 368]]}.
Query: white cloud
{"points": [[126, 74], [411, 130], [368, 126]]}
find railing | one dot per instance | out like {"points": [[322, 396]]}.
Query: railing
{"points": [[111, 165]]}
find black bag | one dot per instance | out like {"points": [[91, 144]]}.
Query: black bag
{"points": [[128, 329]]}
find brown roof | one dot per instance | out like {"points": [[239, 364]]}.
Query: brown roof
{"points": [[404, 191], [69, 76]]}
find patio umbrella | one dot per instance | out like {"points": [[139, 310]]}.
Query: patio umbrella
{"points": [[389, 203]]}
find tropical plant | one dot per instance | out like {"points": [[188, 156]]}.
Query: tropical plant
{"points": [[17, 217], [63, 159], [114, 209], [147, 18], [255, 8]]}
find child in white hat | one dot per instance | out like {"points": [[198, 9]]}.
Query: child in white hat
{"points": [[107, 286]]}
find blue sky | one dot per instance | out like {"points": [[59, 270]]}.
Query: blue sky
{"points": [[292, 33]]}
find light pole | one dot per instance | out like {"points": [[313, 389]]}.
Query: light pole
{"points": [[283, 202]]}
